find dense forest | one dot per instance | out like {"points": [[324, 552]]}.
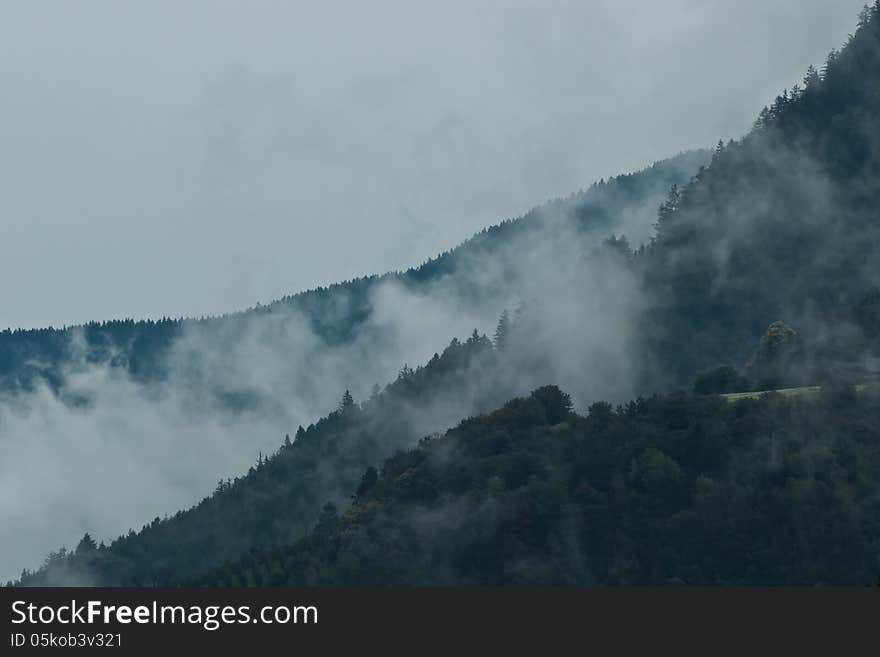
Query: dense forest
{"points": [[279, 500], [762, 275], [781, 225], [670, 490]]}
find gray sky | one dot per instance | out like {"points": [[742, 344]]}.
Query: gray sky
{"points": [[189, 158]]}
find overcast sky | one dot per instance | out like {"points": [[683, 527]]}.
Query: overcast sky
{"points": [[188, 158]]}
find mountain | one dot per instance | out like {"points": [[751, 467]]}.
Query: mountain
{"points": [[778, 230], [336, 313], [671, 490], [278, 500], [701, 439], [781, 225], [165, 406]]}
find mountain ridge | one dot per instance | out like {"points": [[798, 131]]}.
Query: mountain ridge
{"points": [[31, 356], [779, 229]]}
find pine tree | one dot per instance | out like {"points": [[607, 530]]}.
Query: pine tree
{"points": [[811, 79], [830, 63], [764, 118], [86, 544], [669, 207], [502, 331], [346, 403]]}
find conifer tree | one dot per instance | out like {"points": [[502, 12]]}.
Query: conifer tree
{"points": [[502, 331], [811, 79], [347, 402], [86, 544]]}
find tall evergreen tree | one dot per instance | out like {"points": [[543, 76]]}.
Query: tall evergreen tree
{"points": [[502, 331], [347, 402], [811, 79], [86, 544]]}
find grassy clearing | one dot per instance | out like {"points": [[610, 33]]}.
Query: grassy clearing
{"points": [[807, 391]]}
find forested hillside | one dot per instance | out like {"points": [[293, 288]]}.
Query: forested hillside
{"points": [[335, 312], [278, 500], [763, 274], [782, 225], [669, 490]]}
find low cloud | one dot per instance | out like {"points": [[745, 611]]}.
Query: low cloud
{"points": [[109, 453]]}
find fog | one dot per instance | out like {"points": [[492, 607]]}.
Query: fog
{"points": [[202, 158], [109, 454]]}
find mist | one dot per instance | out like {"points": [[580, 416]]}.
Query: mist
{"points": [[109, 453], [187, 160], [248, 177]]}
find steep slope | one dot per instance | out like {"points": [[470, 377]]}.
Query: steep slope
{"points": [[222, 389], [664, 491], [336, 313], [278, 500], [782, 225]]}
